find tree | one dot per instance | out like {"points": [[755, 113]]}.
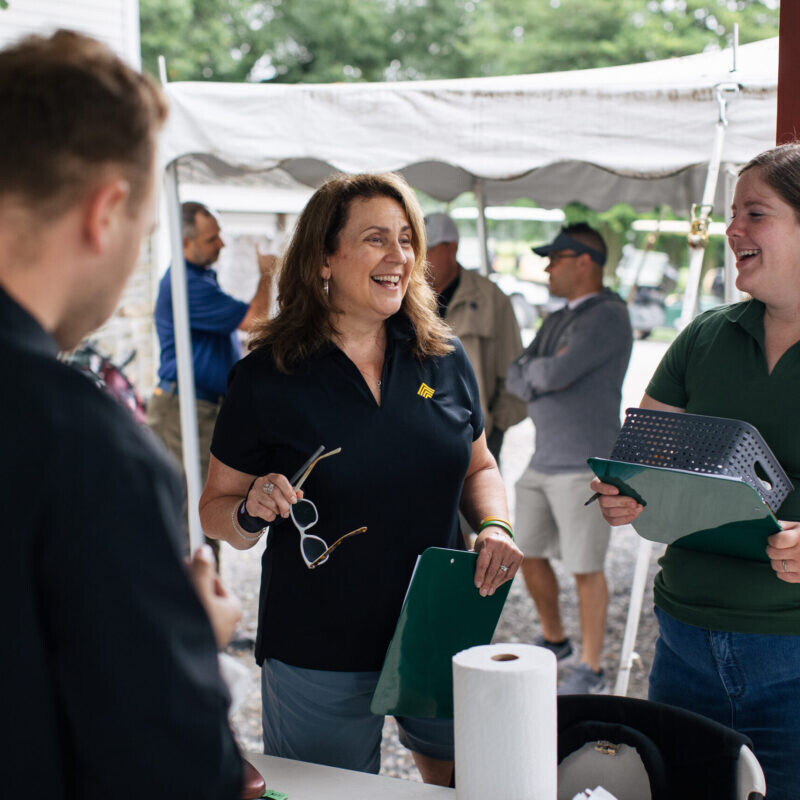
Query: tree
{"points": [[349, 40], [509, 37]]}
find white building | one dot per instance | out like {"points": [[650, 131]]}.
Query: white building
{"points": [[115, 22]]}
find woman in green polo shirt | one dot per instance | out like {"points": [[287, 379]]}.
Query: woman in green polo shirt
{"points": [[729, 646]]}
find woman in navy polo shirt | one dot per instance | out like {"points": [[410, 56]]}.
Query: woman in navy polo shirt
{"points": [[729, 628], [357, 359]]}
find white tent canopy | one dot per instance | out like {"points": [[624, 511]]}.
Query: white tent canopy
{"points": [[640, 133]]}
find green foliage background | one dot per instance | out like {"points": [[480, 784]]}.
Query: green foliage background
{"points": [[313, 41]]}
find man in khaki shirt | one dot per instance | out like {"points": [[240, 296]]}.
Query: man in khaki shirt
{"points": [[483, 319]]}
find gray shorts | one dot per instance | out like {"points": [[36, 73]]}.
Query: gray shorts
{"points": [[323, 717], [553, 522]]}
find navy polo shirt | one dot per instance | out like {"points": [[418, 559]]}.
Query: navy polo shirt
{"points": [[400, 473], [214, 317]]}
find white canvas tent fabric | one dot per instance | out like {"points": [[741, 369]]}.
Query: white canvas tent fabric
{"points": [[640, 133]]}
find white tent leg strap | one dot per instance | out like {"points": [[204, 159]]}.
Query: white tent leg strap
{"points": [[183, 352], [634, 613], [480, 198]]}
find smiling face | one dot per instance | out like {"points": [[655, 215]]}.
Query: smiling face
{"points": [[370, 270], [764, 235]]}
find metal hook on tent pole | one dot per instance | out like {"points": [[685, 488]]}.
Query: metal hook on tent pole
{"points": [[723, 93], [698, 225]]}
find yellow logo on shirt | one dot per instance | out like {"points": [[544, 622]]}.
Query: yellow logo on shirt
{"points": [[425, 391]]}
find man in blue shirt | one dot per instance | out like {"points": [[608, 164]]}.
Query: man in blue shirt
{"points": [[215, 317]]}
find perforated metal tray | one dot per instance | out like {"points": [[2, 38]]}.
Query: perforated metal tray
{"points": [[708, 445]]}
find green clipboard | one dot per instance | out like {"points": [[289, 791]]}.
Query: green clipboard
{"points": [[712, 513], [443, 613]]}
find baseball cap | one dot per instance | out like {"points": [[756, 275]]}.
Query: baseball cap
{"points": [[440, 228], [565, 242]]}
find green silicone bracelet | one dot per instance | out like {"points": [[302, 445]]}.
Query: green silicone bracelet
{"points": [[496, 523]]}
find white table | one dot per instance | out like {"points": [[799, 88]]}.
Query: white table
{"points": [[302, 781]]}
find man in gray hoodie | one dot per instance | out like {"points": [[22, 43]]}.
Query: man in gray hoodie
{"points": [[571, 378]]}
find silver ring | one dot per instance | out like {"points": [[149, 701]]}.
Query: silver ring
{"points": [[268, 487], [503, 567], [783, 565]]}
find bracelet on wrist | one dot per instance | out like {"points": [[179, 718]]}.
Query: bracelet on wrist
{"points": [[246, 524], [248, 537], [496, 522], [497, 519], [247, 521]]}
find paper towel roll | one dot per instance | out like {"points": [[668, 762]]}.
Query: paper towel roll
{"points": [[504, 699]]}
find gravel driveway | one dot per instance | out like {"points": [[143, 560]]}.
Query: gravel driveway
{"points": [[518, 622]]}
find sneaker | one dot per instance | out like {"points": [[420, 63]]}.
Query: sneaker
{"points": [[560, 650], [584, 680]]}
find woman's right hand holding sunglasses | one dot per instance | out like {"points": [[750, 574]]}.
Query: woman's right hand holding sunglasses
{"points": [[271, 496]]}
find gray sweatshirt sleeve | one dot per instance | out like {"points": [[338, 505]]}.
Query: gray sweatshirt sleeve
{"points": [[597, 336]]}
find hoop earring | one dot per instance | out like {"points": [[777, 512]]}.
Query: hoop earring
{"points": [[325, 287]]}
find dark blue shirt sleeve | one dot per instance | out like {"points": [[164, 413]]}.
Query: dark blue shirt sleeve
{"points": [[210, 308]]}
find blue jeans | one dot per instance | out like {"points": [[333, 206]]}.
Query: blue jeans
{"points": [[323, 717], [749, 682]]}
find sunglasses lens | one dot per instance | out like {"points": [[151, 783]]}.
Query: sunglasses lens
{"points": [[312, 548], [304, 513]]}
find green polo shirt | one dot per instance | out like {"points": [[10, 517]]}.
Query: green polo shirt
{"points": [[717, 366]]}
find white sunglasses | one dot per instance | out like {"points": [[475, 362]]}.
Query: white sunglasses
{"points": [[314, 550]]}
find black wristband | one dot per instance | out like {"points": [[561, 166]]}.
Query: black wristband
{"points": [[246, 521]]}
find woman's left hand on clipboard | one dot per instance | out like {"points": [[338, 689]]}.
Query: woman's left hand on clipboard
{"points": [[498, 560]]}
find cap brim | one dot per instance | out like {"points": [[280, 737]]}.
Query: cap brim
{"points": [[565, 242]]}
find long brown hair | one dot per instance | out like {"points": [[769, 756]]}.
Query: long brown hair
{"points": [[304, 323], [779, 167]]}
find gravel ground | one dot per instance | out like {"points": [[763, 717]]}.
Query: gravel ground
{"points": [[518, 622]]}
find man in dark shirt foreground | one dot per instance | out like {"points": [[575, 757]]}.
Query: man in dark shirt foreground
{"points": [[109, 685]]}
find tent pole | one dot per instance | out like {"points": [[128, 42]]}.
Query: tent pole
{"points": [[628, 656], [700, 224], [788, 120], [480, 198], [696, 261], [732, 294], [183, 351]]}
